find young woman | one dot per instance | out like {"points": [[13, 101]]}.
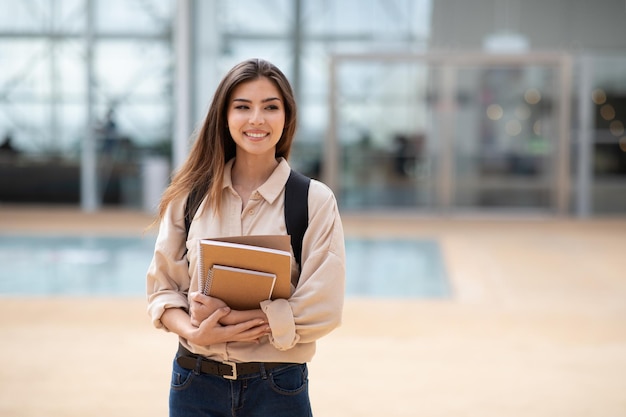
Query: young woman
{"points": [[239, 161]]}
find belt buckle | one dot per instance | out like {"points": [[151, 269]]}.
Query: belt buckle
{"points": [[233, 375]]}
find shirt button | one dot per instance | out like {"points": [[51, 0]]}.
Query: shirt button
{"points": [[251, 211]]}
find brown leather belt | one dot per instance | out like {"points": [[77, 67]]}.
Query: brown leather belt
{"points": [[227, 370]]}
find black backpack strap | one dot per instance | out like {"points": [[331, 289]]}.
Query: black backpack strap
{"points": [[297, 210], [193, 203]]}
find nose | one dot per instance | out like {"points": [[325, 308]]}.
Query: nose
{"points": [[256, 118]]}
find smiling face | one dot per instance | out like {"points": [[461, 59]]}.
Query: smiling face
{"points": [[256, 117]]}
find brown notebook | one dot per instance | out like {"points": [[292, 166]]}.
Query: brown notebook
{"points": [[240, 289], [248, 257]]}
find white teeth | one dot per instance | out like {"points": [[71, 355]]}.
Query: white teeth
{"points": [[256, 135]]}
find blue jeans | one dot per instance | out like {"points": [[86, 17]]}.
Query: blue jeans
{"points": [[282, 391]]}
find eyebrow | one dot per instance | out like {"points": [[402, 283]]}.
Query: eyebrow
{"points": [[265, 100]]}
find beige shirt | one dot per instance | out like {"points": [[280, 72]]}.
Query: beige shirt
{"points": [[315, 306]]}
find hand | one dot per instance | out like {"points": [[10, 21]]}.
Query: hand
{"points": [[202, 306], [210, 331]]}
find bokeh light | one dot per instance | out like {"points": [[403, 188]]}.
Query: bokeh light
{"points": [[617, 128], [513, 127], [598, 96], [532, 96], [607, 112], [494, 112]]}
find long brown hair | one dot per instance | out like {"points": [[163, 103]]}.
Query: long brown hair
{"points": [[213, 147]]}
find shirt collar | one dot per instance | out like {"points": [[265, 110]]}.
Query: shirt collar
{"points": [[270, 189]]}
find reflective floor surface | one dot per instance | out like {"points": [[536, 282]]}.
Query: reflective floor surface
{"points": [[103, 265]]}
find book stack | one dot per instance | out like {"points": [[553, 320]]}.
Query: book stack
{"points": [[242, 271]]}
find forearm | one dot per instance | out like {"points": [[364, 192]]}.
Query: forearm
{"points": [[178, 321], [240, 316]]}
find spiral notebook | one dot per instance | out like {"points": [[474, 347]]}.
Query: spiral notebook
{"points": [[240, 289], [244, 274]]}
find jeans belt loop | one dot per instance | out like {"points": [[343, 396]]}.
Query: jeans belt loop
{"points": [[198, 369]]}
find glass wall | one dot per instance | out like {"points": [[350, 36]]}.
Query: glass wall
{"points": [[506, 142], [412, 135], [462, 132], [81, 70], [384, 122], [608, 120]]}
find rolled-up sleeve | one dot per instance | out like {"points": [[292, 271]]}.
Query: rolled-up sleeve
{"points": [[315, 308], [167, 283]]}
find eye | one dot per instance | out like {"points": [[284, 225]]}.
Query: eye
{"points": [[272, 107], [241, 107]]}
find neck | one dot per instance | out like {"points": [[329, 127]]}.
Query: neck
{"points": [[250, 174]]}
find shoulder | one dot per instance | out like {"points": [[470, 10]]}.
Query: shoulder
{"points": [[321, 196]]}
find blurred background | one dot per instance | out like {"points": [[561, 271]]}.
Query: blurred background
{"points": [[476, 148], [419, 106]]}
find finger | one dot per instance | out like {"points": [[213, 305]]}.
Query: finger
{"points": [[219, 314], [198, 297], [251, 328], [243, 331], [195, 309], [196, 305], [253, 335], [194, 322]]}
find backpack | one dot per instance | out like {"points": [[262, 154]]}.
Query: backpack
{"points": [[296, 210]]}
